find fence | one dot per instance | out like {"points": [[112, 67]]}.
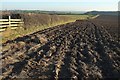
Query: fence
{"points": [[10, 23]]}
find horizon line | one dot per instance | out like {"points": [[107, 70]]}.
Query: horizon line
{"points": [[55, 10]]}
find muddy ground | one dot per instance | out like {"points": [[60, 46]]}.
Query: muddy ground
{"points": [[78, 50]]}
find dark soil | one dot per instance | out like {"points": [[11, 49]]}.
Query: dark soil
{"points": [[78, 50]]}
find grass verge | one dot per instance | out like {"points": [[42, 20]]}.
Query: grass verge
{"points": [[12, 34]]}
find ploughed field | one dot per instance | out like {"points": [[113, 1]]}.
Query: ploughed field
{"points": [[78, 50], [110, 23]]}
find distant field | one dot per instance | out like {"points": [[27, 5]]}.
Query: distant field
{"points": [[78, 16]]}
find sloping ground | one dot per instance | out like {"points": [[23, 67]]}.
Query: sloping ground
{"points": [[78, 50]]}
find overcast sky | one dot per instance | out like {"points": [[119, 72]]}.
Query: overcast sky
{"points": [[60, 5]]}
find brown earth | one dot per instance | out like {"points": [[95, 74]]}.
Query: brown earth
{"points": [[78, 50], [110, 23]]}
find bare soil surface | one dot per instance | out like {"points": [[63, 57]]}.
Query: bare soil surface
{"points": [[78, 50], [110, 23]]}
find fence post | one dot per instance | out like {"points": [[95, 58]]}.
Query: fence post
{"points": [[9, 21], [8, 30]]}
